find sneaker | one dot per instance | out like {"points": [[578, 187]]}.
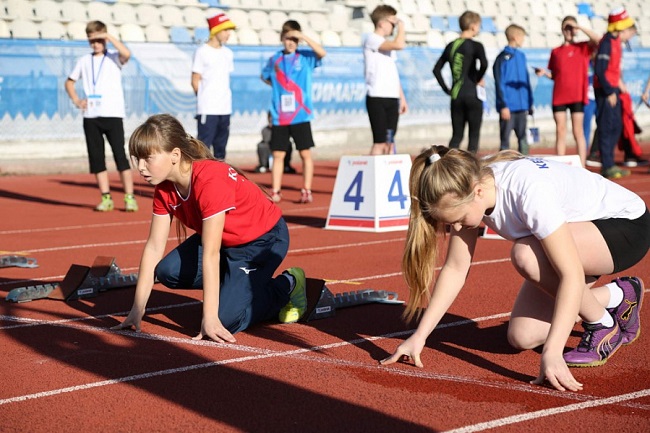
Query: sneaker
{"points": [[130, 205], [106, 205], [598, 344], [276, 196], [627, 313], [593, 161], [635, 161], [614, 172], [289, 169], [297, 305], [305, 196], [261, 169]]}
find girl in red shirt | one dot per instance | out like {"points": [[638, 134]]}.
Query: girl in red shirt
{"points": [[240, 236], [569, 69]]}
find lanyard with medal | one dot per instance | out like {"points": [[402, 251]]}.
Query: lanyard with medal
{"points": [[95, 99], [288, 100]]}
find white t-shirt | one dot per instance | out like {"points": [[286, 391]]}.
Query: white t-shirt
{"points": [[214, 65], [102, 84], [536, 196], [382, 78]]}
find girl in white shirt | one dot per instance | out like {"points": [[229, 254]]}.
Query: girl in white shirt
{"points": [[568, 225]]}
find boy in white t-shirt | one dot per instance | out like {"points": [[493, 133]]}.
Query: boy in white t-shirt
{"points": [[103, 110], [385, 99], [211, 68]]}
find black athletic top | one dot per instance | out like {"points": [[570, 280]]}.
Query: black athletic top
{"points": [[462, 55]]}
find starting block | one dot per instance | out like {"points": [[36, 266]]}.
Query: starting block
{"points": [[371, 193], [322, 303], [79, 282], [19, 261]]}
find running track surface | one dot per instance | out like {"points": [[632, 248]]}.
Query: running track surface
{"points": [[64, 370]]}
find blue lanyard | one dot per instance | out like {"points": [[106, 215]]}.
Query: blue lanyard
{"points": [[99, 71]]}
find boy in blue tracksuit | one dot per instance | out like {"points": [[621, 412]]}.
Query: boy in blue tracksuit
{"points": [[514, 96]]}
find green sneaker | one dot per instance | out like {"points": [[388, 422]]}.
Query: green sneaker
{"points": [[106, 205], [297, 305], [614, 172], [130, 205]]}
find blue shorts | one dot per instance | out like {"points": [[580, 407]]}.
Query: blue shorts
{"points": [[248, 294]]}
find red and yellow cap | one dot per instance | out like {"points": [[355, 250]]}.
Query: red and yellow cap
{"points": [[619, 20], [218, 23]]}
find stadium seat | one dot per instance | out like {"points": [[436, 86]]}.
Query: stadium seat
{"points": [[585, 9], [489, 40], [452, 23], [425, 7], [73, 11], [350, 38], [4, 29], [123, 13], [259, 20], [449, 36], [438, 22], [247, 36], [475, 6], [50, 29], [156, 33], [330, 38], [180, 35], [441, 7], [420, 23], [318, 21], [238, 17], [130, 32], [20, 9], [270, 4], [98, 11], [47, 10], [171, 16], [408, 7], [194, 17], [269, 37], [202, 34], [276, 19], [435, 39], [487, 25], [77, 30], [456, 8], [24, 29], [147, 14]]}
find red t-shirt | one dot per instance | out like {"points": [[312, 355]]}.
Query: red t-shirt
{"points": [[569, 65], [216, 187]]}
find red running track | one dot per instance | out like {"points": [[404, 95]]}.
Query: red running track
{"points": [[64, 370]]}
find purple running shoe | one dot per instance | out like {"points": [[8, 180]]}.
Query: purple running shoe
{"points": [[598, 344], [627, 313]]}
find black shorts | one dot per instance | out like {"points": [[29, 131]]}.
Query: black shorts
{"points": [[576, 107], [95, 129], [383, 114], [300, 132], [628, 240]]}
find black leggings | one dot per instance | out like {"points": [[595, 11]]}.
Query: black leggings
{"points": [[466, 110]]}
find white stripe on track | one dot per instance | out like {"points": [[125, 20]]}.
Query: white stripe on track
{"points": [[549, 412], [75, 227]]}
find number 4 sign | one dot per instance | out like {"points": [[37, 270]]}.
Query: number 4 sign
{"points": [[371, 193]]}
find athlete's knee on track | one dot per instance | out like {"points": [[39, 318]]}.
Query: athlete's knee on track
{"points": [[522, 339]]}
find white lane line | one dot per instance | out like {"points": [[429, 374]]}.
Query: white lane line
{"points": [[549, 412], [75, 227]]}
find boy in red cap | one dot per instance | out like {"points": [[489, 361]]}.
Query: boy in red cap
{"points": [[608, 85], [211, 68]]}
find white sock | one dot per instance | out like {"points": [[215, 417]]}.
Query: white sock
{"points": [[615, 295], [292, 281], [607, 320]]}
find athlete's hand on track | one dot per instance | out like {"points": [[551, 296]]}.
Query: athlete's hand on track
{"points": [[410, 348], [211, 327], [557, 373], [134, 319]]}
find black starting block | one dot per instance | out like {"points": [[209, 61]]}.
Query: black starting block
{"points": [[80, 282], [18, 261], [322, 303]]}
